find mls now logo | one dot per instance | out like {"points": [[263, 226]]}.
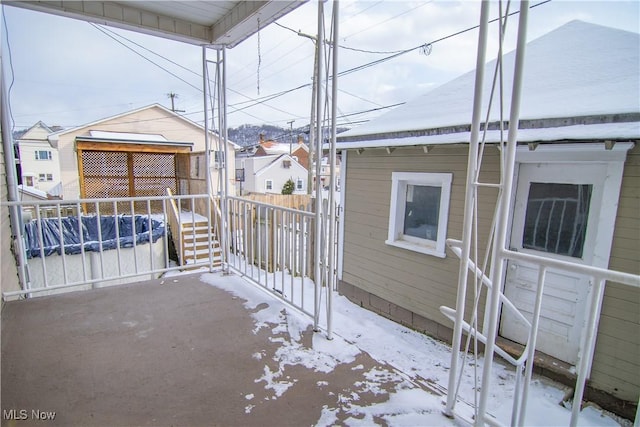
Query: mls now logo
{"points": [[23, 414]]}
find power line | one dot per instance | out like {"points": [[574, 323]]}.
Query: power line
{"points": [[299, 33], [426, 45], [143, 57], [104, 30]]}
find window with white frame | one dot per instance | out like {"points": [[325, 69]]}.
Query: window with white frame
{"points": [[268, 184], [43, 155], [41, 177], [49, 177], [299, 184], [419, 211]]}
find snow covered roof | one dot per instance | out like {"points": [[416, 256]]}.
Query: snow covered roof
{"points": [[579, 70], [32, 191], [272, 147], [276, 160], [127, 136]]}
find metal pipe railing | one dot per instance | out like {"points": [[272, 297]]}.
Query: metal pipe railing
{"points": [[95, 266], [275, 242]]}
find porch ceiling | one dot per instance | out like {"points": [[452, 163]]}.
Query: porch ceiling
{"points": [[216, 23]]}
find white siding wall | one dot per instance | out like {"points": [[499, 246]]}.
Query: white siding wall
{"points": [[33, 167]]}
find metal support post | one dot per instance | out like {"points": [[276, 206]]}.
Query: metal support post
{"points": [[318, 213], [502, 220], [470, 201], [207, 142], [225, 186], [332, 178]]}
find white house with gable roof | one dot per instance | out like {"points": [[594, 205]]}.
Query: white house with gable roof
{"points": [[40, 167], [268, 174]]}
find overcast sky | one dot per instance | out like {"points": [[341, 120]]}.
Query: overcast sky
{"points": [[68, 72]]}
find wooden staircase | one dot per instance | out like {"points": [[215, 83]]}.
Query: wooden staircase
{"points": [[195, 244]]}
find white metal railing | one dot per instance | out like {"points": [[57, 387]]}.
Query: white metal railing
{"points": [[598, 277], [273, 246], [58, 261]]}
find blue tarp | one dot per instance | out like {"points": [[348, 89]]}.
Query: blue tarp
{"points": [[72, 230]]}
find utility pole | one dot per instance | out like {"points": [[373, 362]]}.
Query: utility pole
{"points": [[290, 123], [173, 96], [313, 140]]}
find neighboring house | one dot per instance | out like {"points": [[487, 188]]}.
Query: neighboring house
{"points": [[299, 151], [325, 172], [267, 174], [575, 198], [40, 167], [132, 154]]}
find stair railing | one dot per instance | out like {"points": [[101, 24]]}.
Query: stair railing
{"points": [[176, 226]]}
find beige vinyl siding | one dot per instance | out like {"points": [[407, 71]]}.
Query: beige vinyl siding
{"points": [[417, 282], [422, 283], [616, 362]]}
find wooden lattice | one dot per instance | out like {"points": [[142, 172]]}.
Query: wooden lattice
{"points": [[124, 174]]}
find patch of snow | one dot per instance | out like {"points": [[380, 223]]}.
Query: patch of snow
{"points": [[414, 362], [127, 136], [187, 217]]}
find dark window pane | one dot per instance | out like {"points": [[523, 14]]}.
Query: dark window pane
{"points": [[556, 218], [422, 209]]}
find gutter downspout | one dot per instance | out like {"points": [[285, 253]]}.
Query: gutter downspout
{"points": [[15, 216]]}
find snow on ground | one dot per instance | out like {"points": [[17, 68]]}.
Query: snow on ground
{"points": [[187, 217], [419, 364]]}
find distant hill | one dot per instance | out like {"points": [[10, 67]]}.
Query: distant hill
{"points": [[248, 135]]}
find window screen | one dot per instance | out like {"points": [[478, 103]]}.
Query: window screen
{"points": [[556, 218]]}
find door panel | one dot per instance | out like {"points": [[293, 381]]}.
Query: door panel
{"points": [[555, 215]]}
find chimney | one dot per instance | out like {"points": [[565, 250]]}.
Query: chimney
{"points": [[300, 140], [261, 138]]}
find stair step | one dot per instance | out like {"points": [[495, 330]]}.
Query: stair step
{"points": [[197, 228], [198, 237], [204, 251]]}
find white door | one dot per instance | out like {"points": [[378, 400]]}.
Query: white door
{"points": [[556, 215]]}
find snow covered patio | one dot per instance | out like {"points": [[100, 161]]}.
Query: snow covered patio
{"points": [[208, 349]]}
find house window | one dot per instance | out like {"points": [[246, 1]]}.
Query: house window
{"points": [[43, 155], [269, 184], [419, 211], [218, 157], [299, 184], [29, 181], [556, 218], [41, 177], [286, 164], [49, 177]]}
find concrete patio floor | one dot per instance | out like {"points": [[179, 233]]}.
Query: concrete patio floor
{"points": [[173, 351]]}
